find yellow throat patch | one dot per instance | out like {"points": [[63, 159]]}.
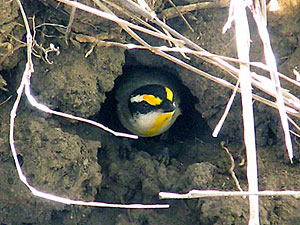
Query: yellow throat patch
{"points": [[160, 121]]}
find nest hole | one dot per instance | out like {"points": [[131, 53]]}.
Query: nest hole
{"points": [[189, 124]]}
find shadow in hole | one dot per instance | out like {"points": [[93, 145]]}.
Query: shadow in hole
{"points": [[189, 125]]}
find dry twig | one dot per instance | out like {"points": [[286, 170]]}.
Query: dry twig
{"points": [[242, 34], [231, 169], [171, 12], [216, 193], [25, 86]]}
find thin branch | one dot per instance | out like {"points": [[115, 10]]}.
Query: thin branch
{"points": [[231, 169], [242, 35], [180, 14], [25, 84], [117, 20], [71, 19], [171, 12], [228, 106], [216, 193], [271, 62], [46, 109]]}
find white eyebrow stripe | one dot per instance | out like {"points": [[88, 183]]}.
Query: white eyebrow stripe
{"points": [[137, 98]]}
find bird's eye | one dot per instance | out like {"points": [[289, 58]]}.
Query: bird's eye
{"points": [[145, 105]]}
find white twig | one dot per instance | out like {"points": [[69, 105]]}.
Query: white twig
{"points": [[47, 195], [117, 20], [46, 109], [271, 62], [216, 193], [25, 84], [242, 35], [228, 106]]}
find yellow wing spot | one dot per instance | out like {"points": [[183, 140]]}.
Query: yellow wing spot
{"points": [[152, 100], [160, 121], [169, 94]]}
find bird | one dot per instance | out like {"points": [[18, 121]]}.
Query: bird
{"points": [[148, 101]]}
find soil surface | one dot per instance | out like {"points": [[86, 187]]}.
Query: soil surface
{"points": [[78, 161]]}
